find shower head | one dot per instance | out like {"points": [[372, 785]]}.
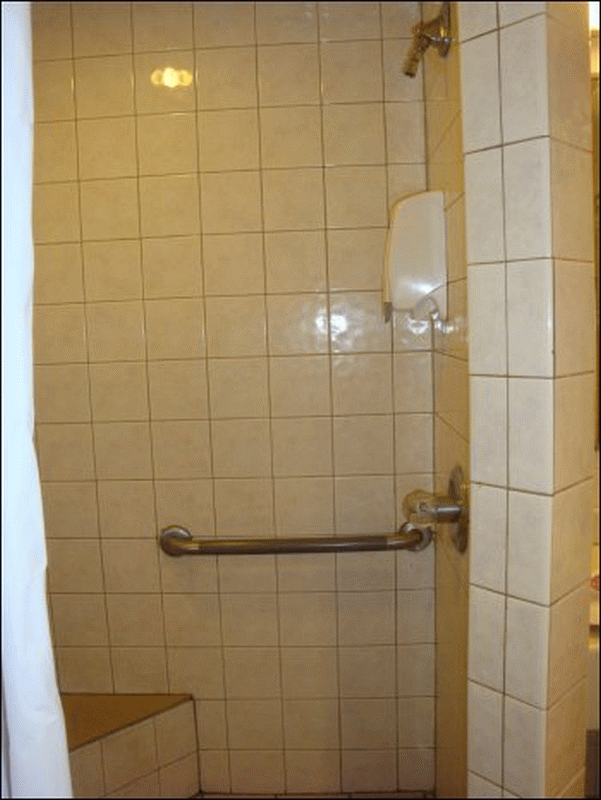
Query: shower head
{"points": [[436, 32]]}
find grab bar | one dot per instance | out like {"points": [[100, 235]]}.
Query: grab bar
{"points": [[178, 541]]}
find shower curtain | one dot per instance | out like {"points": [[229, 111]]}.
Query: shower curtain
{"points": [[35, 760]]}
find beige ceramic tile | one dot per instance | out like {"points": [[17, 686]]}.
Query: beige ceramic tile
{"points": [[249, 620], [568, 63], [236, 575], [53, 90], [181, 449], [574, 444], [476, 18], [415, 667], [304, 506], [65, 452], [295, 261], [198, 670], [291, 137], [244, 507], [222, 24], [286, 22], [416, 722], [191, 620], [175, 732], [61, 393], [257, 771], [112, 270], [529, 557], [527, 184], [167, 144], [115, 331], [565, 740], [58, 273], [365, 618], [302, 446], [74, 566], [530, 408], [293, 199], [288, 75], [69, 507], [311, 724], [365, 571], [106, 148], [84, 669], [307, 619], [510, 12], [101, 29], [351, 72], [313, 572], [353, 134], [314, 772], [488, 405], [364, 505], [251, 673], [169, 206], [367, 672], [405, 132], [480, 93], [574, 316], [339, 21], [79, 620], [181, 778], [215, 771], [415, 616], [363, 445], [485, 726], [228, 140], [126, 509], [413, 442], [357, 323], [484, 207], [54, 156], [189, 503], [233, 264], [299, 385], [231, 202], [177, 578], [524, 92], [119, 392], [130, 565], [51, 30], [55, 213], [529, 318], [104, 86], [227, 78], [355, 258], [120, 766], [356, 197], [486, 637], [122, 450], [524, 748], [297, 324], [412, 382], [572, 217], [175, 328], [241, 448], [109, 209], [86, 762], [159, 27], [167, 400], [238, 387], [139, 669], [573, 529], [154, 79], [487, 319], [210, 724], [568, 632], [309, 672], [368, 771], [135, 619]]}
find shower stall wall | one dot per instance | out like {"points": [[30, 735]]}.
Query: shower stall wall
{"points": [[212, 183]]}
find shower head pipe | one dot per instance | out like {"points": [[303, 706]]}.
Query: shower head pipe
{"points": [[436, 32]]}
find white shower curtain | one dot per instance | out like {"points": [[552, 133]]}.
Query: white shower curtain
{"points": [[35, 760]]}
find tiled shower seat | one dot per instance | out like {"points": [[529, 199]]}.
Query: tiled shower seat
{"points": [[132, 745]]}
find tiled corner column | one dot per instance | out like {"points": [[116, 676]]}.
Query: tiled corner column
{"points": [[527, 144]]}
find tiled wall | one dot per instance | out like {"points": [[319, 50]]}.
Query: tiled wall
{"points": [[527, 142], [153, 758], [210, 351], [451, 435]]}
